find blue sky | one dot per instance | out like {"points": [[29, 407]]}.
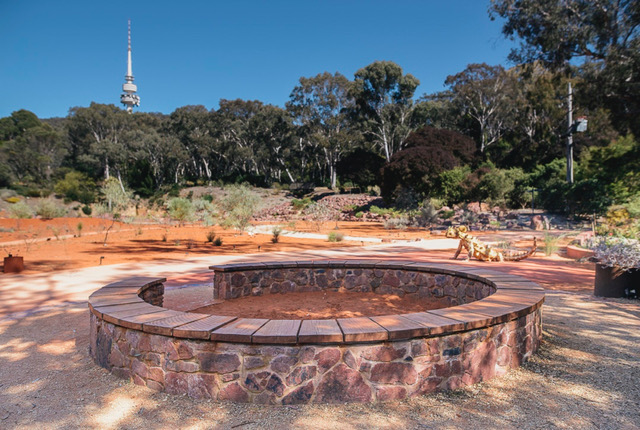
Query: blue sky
{"points": [[61, 54]]}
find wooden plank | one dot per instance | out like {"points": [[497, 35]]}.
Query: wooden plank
{"points": [[201, 329], [517, 285], [400, 327], [471, 319], [361, 329], [435, 323], [115, 300], [136, 281], [118, 317], [165, 326], [239, 330], [277, 331], [100, 310], [320, 331], [136, 322], [115, 291]]}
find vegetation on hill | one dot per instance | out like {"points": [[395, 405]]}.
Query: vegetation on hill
{"points": [[492, 135]]}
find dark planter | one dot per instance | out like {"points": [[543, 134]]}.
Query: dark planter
{"points": [[13, 264], [613, 282]]}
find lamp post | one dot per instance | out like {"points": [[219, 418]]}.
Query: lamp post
{"points": [[580, 125]]}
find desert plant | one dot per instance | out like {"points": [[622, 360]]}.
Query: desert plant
{"points": [[164, 237], [359, 215], [79, 228], [425, 216], [217, 241], [86, 209], [116, 195], [180, 209], [335, 236], [275, 238], [211, 235], [447, 214], [239, 205], [318, 214], [49, 209], [550, 243], [468, 218], [20, 210], [621, 253], [398, 223]]}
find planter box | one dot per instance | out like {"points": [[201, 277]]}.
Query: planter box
{"points": [[576, 252], [613, 282], [13, 264]]}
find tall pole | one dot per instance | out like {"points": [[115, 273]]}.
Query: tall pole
{"points": [[570, 136]]}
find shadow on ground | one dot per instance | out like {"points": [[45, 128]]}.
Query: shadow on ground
{"points": [[585, 376]]}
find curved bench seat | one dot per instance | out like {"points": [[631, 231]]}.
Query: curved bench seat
{"points": [[130, 328]]}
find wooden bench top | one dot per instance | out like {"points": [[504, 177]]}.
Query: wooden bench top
{"points": [[119, 303]]}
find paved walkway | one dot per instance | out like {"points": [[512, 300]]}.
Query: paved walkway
{"points": [[25, 294]]}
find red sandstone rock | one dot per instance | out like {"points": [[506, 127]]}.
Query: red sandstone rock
{"points": [[218, 363], [176, 383], [201, 386], [299, 396], [275, 385], [341, 385], [252, 362], [327, 358], [394, 373], [385, 394], [282, 364], [301, 374], [234, 393], [383, 353]]}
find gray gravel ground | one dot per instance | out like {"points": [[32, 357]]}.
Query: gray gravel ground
{"points": [[585, 376]]}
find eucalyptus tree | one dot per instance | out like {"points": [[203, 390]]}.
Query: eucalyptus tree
{"points": [[482, 93], [31, 150], [384, 103], [321, 105], [96, 138], [192, 126], [605, 34]]}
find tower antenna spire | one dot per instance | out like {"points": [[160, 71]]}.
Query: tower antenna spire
{"points": [[129, 98]]}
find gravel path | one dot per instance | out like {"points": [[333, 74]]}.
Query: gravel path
{"points": [[585, 376]]}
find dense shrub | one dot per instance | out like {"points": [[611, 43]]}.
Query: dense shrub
{"points": [[361, 167], [76, 186], [50, 209], [431, 152], [180, 209]]}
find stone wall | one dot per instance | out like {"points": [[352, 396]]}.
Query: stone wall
{"points": [[441, 289], [299, 374]]}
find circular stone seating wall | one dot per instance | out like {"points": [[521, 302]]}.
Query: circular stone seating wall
{"points": [[493, 324]]}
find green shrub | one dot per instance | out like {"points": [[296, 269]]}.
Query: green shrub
{"points": [[180, 209], [301, 204], [335, 236], [49, 209], [550, 243], [239, 205], [86, 209], [76, 186], [447, 214], [79, 227], [20, 210], [208, 198], [359, 215], [381, 211]]}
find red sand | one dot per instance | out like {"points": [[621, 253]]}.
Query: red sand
{"points": [[318, 305]]}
